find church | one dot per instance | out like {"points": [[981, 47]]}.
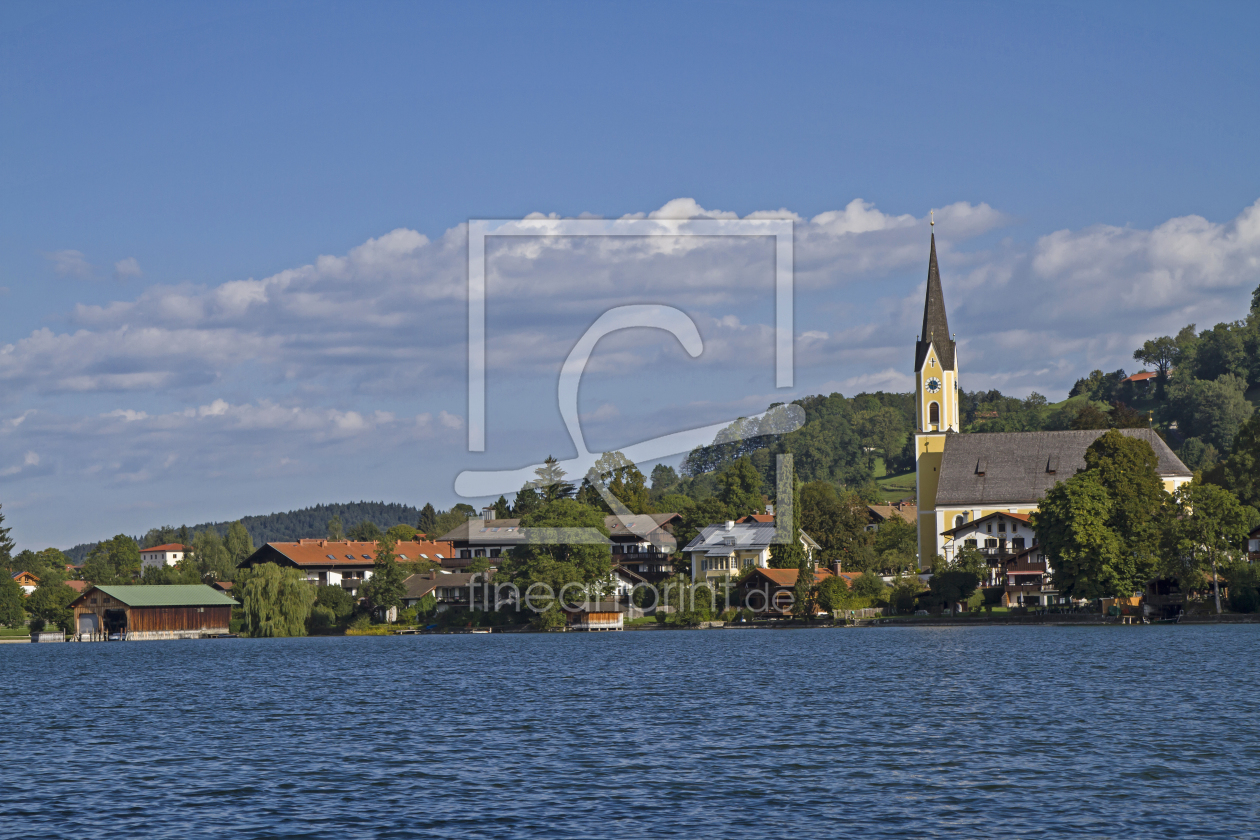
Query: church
{"points": [[966, 481]]}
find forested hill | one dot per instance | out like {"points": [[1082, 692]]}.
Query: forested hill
{"points": [[1200, 401], [296, 524]]}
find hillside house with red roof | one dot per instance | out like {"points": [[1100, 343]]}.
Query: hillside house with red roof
{"points": [[162, 555], [342, 562]]}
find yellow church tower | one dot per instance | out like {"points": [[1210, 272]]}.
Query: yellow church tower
{"points": [[936, 403]]}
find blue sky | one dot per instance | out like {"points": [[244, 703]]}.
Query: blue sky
{"points": [[174, 349]]}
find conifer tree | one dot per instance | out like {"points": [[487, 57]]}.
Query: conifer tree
{"points": [[428, 521], [6, 544]]}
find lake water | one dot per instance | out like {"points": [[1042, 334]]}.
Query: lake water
{"points": [[995, 731]]}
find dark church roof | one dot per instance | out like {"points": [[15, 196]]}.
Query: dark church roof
{"points": [[935, 324], [1019, 467]]}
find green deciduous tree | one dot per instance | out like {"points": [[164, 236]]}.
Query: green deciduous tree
{"points": [[366, 531], [870, 586], [51, 603], [115, 561], [12, 602], [1087, 557], [1126, 467], [739, 488], [277, 601], [1211, 410], [663, 477], [385, 589], [837, 522], [1159, 353], [211, 558], [544, 561], [336, 531], [1209, 529], [335, 599], [401, 533], [239, 543], [160, 536], [1240, 472]]}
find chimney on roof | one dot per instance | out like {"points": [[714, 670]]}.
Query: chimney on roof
{"points": [[769, 509], [835, 567], [730, 524], [487, 513]]}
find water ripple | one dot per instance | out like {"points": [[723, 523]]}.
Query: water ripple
{"points": [[926, 732]]}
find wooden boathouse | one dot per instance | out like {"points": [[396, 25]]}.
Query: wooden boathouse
{"points": [[140, 613]]}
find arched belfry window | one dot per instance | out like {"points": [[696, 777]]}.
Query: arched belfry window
{"points": [[934, 413], [960, 521]]}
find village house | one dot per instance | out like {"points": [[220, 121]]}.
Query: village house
{"points": [[162, 555], [450, 590], [642, 545], [877, 515], [481, 537], [1253, 546], [145, 613], [26, 580], [642, 542], [342, 562], [724, 551], [1026, 580], [998, 536], [1142, 381], [769, 591]]}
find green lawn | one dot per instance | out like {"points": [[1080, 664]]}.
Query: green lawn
{"points": [[14, 632], [893, 488]]}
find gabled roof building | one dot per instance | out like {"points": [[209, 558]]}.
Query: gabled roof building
{"points": [[726, 550], [963, 478], [146, 613]]}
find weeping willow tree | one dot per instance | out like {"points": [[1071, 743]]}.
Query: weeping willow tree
{"points": [[277, 601]]}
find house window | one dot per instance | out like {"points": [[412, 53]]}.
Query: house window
{"points": [[990, 543], [1001, 527], [969, 544], [465, 553], [481, 552], [989, 528], [494, 552], [1018, 543], [960, 521]]}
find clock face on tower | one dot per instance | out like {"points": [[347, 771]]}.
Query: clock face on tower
{"points": [[933, 385]]}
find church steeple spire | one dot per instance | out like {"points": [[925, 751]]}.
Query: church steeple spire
{"points": [[935, 324]]}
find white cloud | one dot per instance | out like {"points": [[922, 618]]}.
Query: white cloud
{"points": [[450, 421], [127, 268], [70, 263]]}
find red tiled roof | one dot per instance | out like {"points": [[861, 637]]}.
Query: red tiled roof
{"points": [[167, 547], [77, 585], [1142, 376], [756, 517], [787, 577]]}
